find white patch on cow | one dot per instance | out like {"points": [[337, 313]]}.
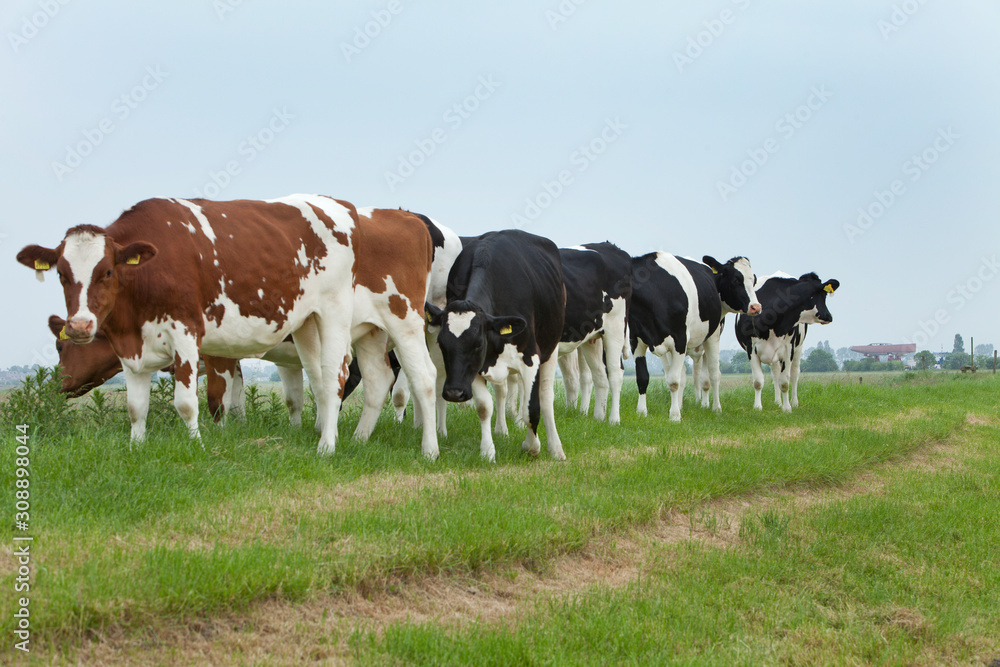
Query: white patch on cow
{"points": [[223, 215], [158, 346], [168, 223], [444, 258], [216, 262], [508, 362], [206, 227], [777, 274], [458, 322], [697, 328], [774, 349], [743, 266], [810, 316], [581, 248], [366, 211], [83, 251], [283, 354], [302, 258], [260, 293]]}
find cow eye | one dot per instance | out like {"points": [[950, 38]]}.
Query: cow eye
{"points": [[108, 274]]}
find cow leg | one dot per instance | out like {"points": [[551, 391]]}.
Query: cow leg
{"points": [[586, 384], [416, 362], [377, 376], [401, 396], [137, 395], [294, 390], [217, 388], [547, 397], [186, 385], [307, 344], [569, 366], [236, 398], [500, 390], [676, 371], [710, 367], [593, 360], [484, 408], [641, 379], [776, 381], [793, 382], [516, 407], [758, 379], [437, 358], [783, 381], [700, 390], [530, 381], [614, 343]]}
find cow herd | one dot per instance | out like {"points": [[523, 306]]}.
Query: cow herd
{"points": [[402, 302]]}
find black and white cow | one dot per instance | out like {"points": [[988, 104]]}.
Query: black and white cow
{"points": [[505, 312], [776, 336], [598, 279], [677, 307]]}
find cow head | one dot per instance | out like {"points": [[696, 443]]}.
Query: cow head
{"points": [[469, 339], [814, 293], [735, 280], [90, 265], [84, 367]]}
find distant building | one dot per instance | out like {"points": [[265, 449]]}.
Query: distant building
{"points": [[889, 351]]}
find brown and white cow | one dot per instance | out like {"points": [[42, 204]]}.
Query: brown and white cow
{"points": [[171, 278], [85, 367]]}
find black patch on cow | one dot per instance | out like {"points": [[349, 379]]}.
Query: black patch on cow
{"points": [[783, 300], [660, 305], [506, 278], [593, 278], [437, 236]]}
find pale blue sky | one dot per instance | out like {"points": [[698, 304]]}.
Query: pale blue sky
{"points": [[670, 99]]}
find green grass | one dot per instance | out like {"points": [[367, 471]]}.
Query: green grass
{"points": [[128, 540]]}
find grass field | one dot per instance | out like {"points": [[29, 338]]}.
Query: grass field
{"points": [[861, 529]]}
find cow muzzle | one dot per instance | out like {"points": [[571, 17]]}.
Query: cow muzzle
{"points": [[754, 309], [456, 395], [81, 330]]}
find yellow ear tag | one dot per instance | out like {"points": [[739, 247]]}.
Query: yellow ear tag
{"points": [[713, 270], [62, 334], [427, 316], [829, 288], [132, 260], [41, 266], [506, 330]]}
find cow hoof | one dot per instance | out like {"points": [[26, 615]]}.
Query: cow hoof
{"points": [[431, 455], [325, 449]]}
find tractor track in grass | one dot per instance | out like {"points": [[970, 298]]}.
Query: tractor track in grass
{"points": [[320, 628]]}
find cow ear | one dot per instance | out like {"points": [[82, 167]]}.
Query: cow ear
{"points": [[134, 254], [511, 325], [38, 258], [432, 314], [831, 286], [56, 325], [712, 263]]}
